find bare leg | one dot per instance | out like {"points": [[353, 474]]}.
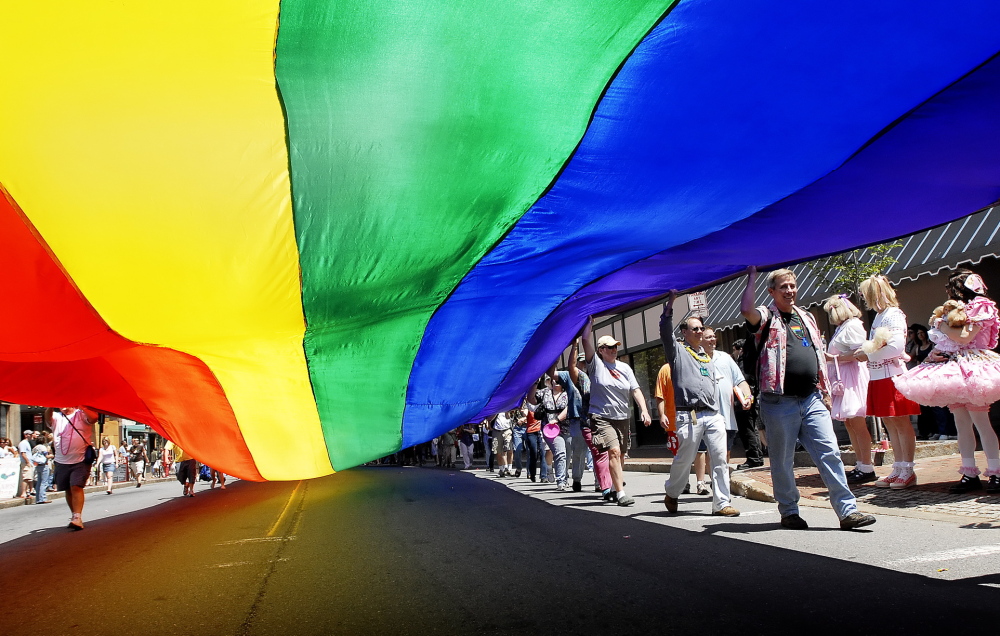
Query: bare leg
{"points": [[902, 437], [615, 466], [861, 439], [700, 463]]}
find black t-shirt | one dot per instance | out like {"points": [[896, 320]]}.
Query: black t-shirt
{"points": [[801, 365]]}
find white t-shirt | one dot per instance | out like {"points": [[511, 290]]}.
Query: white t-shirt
{"points": [[610, 388], [502, 422], [69, 446], [106, 455], [24, 448]]}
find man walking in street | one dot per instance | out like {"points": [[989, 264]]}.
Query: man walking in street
{"points": [[502, 444], [137, 461], [696, 396], [187, 469], [73, 430], [794, 398]]}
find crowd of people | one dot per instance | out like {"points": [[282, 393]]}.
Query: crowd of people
{"points": [[62, 458], [780, 391]]}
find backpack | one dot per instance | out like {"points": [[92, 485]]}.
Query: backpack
{"points": [[205, 474]]}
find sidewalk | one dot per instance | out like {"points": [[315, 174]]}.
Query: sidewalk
{"points": [[53, 496], [928, 499]]}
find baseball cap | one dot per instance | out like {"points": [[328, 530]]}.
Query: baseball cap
{"points": [[608, 341]]}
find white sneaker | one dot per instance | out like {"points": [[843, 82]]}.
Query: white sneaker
{"points": [[703, 489]]}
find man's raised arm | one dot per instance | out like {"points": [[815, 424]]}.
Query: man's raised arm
{"points": [[667, 327], [747, 307]]}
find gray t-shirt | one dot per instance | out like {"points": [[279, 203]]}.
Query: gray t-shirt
{"points": [[694, 381], [610, 388]]}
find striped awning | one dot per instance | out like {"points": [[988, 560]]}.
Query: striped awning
{"points": [[968, 239]]}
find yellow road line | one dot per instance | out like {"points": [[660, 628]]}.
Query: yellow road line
{"points": [[284, 511]]}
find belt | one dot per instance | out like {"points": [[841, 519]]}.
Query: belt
{"points": [[691, 409]]}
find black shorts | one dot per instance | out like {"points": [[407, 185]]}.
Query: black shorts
{"points": [[72, 475], [187, 471]]}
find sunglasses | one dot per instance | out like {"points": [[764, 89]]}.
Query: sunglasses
{"points": [[696, 329]]}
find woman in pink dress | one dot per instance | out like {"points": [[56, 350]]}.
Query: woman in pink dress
{"points": [[850, 383], [963, 373]]}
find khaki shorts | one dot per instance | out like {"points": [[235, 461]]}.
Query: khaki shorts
{"points": [[27, 472], [606, 435], [501, 441]]}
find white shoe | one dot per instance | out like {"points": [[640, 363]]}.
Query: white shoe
{"points": [[703, 489]]}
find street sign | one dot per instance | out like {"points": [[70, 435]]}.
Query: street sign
{"points": [[698, 304]]}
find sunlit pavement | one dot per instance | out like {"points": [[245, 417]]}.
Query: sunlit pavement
{"points": [[429, 551]]}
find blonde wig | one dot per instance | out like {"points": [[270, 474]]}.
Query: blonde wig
{"points": [[840, 309], [878, 293]]}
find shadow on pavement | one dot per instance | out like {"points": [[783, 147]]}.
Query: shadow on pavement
{"points": [[421, 552]]}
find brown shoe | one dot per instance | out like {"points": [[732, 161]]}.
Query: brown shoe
{"points": [[856, 520], [728, 511], [670, 503]]}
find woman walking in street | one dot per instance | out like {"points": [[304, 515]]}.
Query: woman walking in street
{"points": [[963, 372], [551, 403], [849, 378], [612, 383], [107, 459], [885, 361]]}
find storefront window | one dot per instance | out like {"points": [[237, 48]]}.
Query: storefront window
{"points": [[646, 364]]}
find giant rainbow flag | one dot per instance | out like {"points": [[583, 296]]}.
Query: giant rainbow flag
{"points": [[296, 236]]}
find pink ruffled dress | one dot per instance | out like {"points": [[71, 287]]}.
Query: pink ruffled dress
{"points": [[853, 375], [971, 378]]}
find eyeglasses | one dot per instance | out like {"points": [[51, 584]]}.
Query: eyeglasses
{"points": [[696, 328]]}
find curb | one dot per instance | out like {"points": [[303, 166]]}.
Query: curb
{"points": [[884, 458], [750, 488], [17, 501], [739, 483]]}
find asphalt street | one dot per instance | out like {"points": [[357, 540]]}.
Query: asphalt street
{"points": [[428, 551]]}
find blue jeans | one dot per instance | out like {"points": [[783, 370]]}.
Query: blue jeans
{"points": [[558, 447], [519, 433], [42, 482], [787, 418], [533, 441]]}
